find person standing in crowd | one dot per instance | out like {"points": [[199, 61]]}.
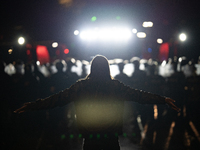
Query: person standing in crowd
{"points": [[139, 77], [99, 104], [122, 76]]}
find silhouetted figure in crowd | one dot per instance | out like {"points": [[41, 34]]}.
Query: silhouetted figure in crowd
{"points": [[155, 82], [19, 70], [175, 84], [59, 79], [192, 89], [138, 78], [84, 71], [7, 104], [5, 79], [71, 76], [42, 81], [16, 79], [30, 83], [122, 76], [38, 74], [5, 89], [99, 103]]}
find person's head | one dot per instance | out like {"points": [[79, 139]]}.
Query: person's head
{"points": [[100, 68], [59, 65], [28, 68], [136, 64]]}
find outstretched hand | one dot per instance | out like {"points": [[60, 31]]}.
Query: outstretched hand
{"points": [[170, 102], [24, 108]]}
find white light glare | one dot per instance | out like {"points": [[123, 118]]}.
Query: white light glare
{"points": [[180, 59], [134, 30], [38, 63], [21, 40], [147, 24], [141, 35], [106, 34], [163, 63], [54, 44], [159, 41], [182, 36], [73, 60], [76, 32]]}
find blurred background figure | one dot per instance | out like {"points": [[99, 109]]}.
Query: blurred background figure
{"points": [[138, 78], [175, 84], [122, 76], [30, 83], [84, 71], [71, 76], [59, 80]]}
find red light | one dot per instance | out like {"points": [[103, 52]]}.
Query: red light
{"points": [[28, 46], [164, 51], [42, 54], [28, 52], [66, 51]]}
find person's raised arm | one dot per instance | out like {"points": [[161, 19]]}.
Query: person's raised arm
{"points": [[146, 97], [60, 99]]}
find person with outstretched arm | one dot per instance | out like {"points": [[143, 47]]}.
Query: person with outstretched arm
{"points": [[99, 105]]}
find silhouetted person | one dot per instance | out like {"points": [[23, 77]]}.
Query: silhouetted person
{"points": [[122, 76], [5, 80], [30, 83], [16, 79], [42, 81], [138, 77], [59, 79], [71, 76], [38, 74], [192, 88], [155, 82], [175, 84], [99, 103], [84, 71]]}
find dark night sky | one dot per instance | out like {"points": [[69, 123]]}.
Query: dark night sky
{"points": [[49, 20]]}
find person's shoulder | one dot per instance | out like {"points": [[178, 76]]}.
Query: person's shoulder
{"points": [[117, 82], [82, 81]]}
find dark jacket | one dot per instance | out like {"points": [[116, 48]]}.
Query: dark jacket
{"points": [[99, 105]]}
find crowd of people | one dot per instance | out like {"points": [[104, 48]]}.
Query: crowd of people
{"points": [[49, 129]]}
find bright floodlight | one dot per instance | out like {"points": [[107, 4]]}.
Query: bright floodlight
{"points": [[21, 40], [106, 34], [88, 35], [182, 36], [147, 24], [134, 30], [76, 32], [159, 41], [141, 35], [54, 44]]}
